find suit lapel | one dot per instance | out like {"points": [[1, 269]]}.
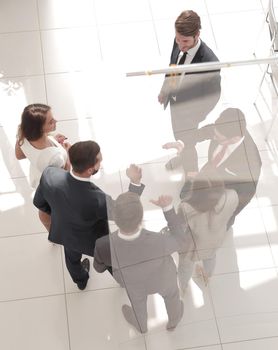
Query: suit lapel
{"points": [[199, 54]]}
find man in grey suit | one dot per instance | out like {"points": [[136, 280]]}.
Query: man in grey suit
{"points": [[192, 95], [78, 209], [141, 259]]}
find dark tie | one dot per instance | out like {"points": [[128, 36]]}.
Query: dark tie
{"points": [[183, 57]]}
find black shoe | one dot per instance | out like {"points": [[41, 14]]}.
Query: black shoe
{"points": [[185, 191], [86, 266]]}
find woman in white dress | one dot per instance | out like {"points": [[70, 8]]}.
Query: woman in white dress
{"points": [[207, 212], [35, 144]]}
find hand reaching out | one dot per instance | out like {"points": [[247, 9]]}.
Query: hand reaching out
{"points": [[163, 201], [134, 173]]}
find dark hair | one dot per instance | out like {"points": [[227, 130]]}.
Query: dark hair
{"points": [[128, 212], [32, 121], [188, 23], [231, 123], [83, 155], [206, 191]]}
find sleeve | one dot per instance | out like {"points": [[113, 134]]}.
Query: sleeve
{"points": [[176, 237], [136, 189], [205, 133], [40, 202]]}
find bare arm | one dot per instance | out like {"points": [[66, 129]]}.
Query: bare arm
{"points": [[18, 152]]}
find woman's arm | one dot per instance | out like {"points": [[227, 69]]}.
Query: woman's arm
{"points": [[18, 152]]}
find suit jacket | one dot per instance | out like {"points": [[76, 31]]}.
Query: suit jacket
{"points": [[79, 209], [144, 265], [194, 90], [242, 166]]}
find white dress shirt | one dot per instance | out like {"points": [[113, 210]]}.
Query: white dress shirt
{"points": [[230, 149]]}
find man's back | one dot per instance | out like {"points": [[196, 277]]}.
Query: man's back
{"points": [[78, 210]]}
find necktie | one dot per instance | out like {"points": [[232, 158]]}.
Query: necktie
{"points": [[219, 156], [183, 57]]}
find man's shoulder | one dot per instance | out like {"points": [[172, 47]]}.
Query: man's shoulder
{"points": [[205, 53]]}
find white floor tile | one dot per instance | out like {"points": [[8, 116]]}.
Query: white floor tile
{"points": [[122, 11], [18, 15], [18, 214], [98, 330], [16, 93], [171, 10], [75, 49], [242, 259], [248, 230], [66, 13], [9, 166], [266, 195], [247, 292], [247, 327], [73, 88], [217, 6], [34, 323], [30, 266], [185, 336], [214, 347], [270, 217], [135, 344], [270, 344], [21, 54], [129, 40], [240, 42]]}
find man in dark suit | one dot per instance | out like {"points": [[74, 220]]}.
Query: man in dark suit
{"points": [[141, 259], [79, 210], [193, 95], [234, 154]]}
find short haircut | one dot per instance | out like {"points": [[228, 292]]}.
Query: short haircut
{"points": [[32, 121], [206, 190], [188, 23], [128, 212], [83, 155], [231, 123]]}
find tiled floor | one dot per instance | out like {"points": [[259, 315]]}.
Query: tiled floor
{"points": [[73, 55]]}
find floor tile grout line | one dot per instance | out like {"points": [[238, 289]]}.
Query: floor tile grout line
{"points": [[57, 295], [199, 347], [214, 312], [65, 297], [267, 236], [211, 26], [250, 340], [42, 53], [154, 27], [98, 30]]}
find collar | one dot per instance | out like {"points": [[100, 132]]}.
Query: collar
{"points": [[235, 145], [129, 237], [85, 179], [192, 52]]}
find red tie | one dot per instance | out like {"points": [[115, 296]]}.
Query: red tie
{"points": [[219, 156]]}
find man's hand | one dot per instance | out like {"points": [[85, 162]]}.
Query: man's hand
{"points": [[162, 201], [161, 98], [134, 173]]}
